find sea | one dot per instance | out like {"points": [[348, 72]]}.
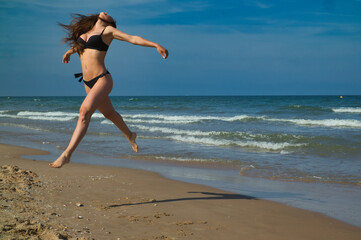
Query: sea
{"points": [[303, 151]]}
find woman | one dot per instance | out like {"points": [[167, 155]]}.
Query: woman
{"points": [[90, 37]]}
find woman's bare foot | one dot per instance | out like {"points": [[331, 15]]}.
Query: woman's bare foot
{"points": [[63, 159], [133, 143]]}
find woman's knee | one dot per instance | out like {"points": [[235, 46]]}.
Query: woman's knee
{"points": [[85, 114]]}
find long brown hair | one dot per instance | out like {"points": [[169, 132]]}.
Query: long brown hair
{"points": [[79, 25]]}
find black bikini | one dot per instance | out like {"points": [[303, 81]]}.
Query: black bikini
{"points": [[94, 42], [90, 83]]}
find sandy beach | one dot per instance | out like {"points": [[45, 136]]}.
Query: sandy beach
{"points": [[97, 202]]}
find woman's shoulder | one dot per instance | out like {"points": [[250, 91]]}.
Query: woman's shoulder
{"points": [[109, 29]]}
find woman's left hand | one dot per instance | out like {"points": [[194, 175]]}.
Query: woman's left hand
{"points": [[162, 51], [66, 57]]}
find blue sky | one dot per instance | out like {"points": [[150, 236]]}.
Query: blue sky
{"points": [[249, 47]]}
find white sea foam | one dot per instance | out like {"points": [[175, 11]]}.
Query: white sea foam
{"points": [[56, 114], [219, 134], [156, 121], [106, 121], [347, 110], [184, 119], [165, 119], [283, 152], [59, 119], [196, 132], [243, 135], [98, 115], [224, 142], [321, 122], [152, 121], [175, 131], [48, 116], [185, 159], [168, 119], [34, 117]]}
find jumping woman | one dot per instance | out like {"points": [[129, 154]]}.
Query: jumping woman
{"points": [[90, 37]]}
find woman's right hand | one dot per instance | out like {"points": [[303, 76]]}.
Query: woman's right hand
{"points": [[66, 57], [162, 51]]}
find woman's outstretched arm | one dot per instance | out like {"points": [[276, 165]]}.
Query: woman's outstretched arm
{"points": [[136, 40]]}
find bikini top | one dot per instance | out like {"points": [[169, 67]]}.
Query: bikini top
{"points": [[94, 42]]}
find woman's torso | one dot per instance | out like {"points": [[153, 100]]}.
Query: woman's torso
{"points": [[92, 60]]}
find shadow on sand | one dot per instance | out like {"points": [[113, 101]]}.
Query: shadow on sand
{"points": [[210, 196]]}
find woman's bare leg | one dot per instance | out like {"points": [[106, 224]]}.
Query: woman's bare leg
{"points": [[107, 109], [95, 96]]}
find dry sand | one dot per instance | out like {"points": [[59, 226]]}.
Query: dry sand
{"points": [[97, 202]]}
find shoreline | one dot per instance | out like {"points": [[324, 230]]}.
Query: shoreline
{"points": [[332, 200], [136, 204], [336, 201]]}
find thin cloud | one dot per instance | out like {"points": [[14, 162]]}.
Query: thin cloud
{"points": [[70, 4], [188, 7], [262, 5], [258, 4]]}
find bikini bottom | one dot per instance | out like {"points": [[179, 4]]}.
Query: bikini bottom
{"points": [[90, 83]]}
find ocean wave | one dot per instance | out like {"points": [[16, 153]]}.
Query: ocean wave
{"points": [[230, 143], [156, 121], [47, 116], [151, 121], [347, 110], [224, 134], [106, 121], [56, 114], [175, 131], [181, 159], [191, 117], [270, 141], [322, 122], [185, 119], [297, 107], [34, 117]]}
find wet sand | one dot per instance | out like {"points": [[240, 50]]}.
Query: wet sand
{"points": [[98, 202]]}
